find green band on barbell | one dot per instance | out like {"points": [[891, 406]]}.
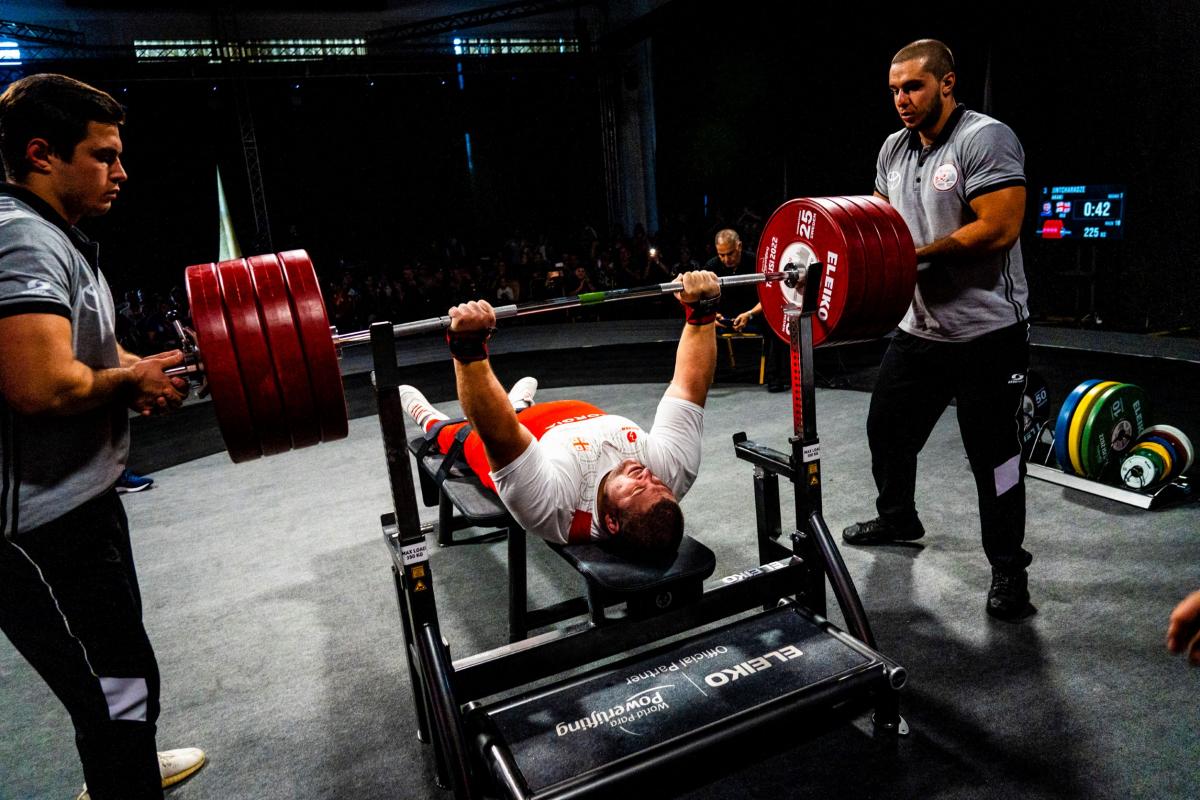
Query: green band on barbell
{"points": [[587, 298]]}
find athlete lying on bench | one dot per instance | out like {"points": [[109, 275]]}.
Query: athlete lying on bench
{"points": [[567, 471]]}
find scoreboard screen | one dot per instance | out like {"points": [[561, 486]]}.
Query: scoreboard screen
{"points": [[1082, 212]]}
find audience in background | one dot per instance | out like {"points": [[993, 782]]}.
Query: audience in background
{"points": [[526, 265]]}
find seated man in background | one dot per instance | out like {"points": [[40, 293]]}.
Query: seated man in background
{"points": [[567, 471], [741, 310]]}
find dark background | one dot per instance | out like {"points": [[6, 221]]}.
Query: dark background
{"points": [[767, 104], [753, 105], [362, 169]]}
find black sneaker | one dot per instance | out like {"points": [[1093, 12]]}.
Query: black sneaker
{"points": [[879, 531], [1008, 599]]}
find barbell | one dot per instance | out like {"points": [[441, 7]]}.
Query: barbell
{"points": [[262, 344]]}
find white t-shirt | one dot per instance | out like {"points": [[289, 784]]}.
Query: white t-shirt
{"points": [[550, 489]]}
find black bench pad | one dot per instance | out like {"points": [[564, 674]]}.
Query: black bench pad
{"points": [[617, 575], [474, 501]]}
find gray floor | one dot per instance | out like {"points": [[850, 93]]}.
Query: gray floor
{"points": [[270, 603]]}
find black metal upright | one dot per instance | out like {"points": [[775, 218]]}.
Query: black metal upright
{"points": [[391, 424], [806, 446], [402, 525], [812, 543], [429, 664], [812, 538]]}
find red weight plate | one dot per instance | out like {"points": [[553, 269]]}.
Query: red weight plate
{"points": [[802, 232], [287, 354], [891, 236], [869, 279], [903, 272], [220, 363], [856, 271], [888, 280], [906, 267], [325, 375], [253, 356]]}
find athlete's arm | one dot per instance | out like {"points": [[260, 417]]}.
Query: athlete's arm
{"points": [[696, 357], [483, 399]]}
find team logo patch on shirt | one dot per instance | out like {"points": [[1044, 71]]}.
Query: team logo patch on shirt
{"points": [[945, 178], [893, 179], [91, 299], [38, 286]]}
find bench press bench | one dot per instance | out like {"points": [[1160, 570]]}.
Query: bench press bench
{"points": [[693, 707], [610, 579]]}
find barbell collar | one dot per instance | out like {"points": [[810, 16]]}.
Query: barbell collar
{"points": [[183, 371]]}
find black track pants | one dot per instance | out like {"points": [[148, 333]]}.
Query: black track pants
{"points": [[70, 604], [986, 377]]}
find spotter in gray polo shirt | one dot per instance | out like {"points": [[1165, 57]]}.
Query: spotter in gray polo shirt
{"points": [[932, 188]]}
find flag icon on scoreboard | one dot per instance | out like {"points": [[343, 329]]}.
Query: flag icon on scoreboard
{"points": [[1052, 229], [1062, 207]]}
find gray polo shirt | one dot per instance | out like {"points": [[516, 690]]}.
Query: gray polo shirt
{"points": [[53, 464], [932, 188]]}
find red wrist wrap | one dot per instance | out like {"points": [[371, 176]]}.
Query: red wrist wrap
{"points": [[701, 312]]}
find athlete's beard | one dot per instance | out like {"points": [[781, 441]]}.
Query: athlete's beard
{"points": [[933, 115]]}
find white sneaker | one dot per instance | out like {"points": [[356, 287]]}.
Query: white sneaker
{"points": [[173, 765], [418, 408], [522, 392], [179, 765]]}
